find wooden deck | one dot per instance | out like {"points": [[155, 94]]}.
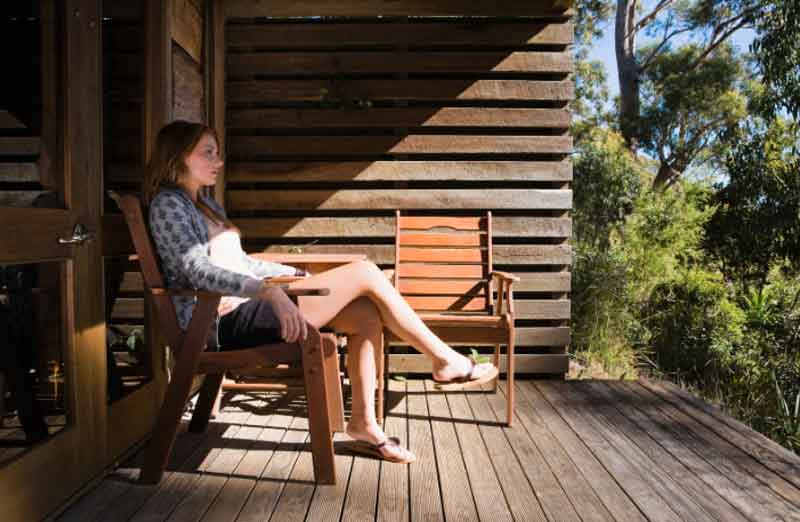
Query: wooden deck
{"points": [[579, 451]]}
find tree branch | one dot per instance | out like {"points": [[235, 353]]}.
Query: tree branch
{"points": [[654, 53], [643, 21], [716, 42]]}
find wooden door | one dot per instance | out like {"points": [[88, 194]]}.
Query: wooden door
{"points": [[59, 248]]}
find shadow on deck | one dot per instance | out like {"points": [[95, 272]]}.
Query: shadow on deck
{"points": [[578, 451]]}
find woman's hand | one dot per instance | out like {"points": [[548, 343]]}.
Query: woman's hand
{"points": [[293, 325]]}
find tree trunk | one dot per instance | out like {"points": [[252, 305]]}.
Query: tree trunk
{"points": [[665, 177], [628, 71]]}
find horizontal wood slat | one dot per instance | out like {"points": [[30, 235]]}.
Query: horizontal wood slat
{"points": [[524, 363], [453, 240], [444, 303], [449, 271], [400, 171], [410, 117], [381, 227], [19, 172], [278, 8], [550, 336], [503, 254], [25, 146], [428, 223], [440, 62], [443, 255], [550, 309], [338, 35], [438, 90], [260, 146], [543, 282], [441, 287], [388, 199]]}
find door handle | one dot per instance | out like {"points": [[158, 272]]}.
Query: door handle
{"points": [[80, 234]]}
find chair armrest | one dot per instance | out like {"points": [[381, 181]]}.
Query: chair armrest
{"points": [[188, 292], [503, 275]]}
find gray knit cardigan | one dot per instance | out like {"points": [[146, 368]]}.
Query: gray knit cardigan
{"points": [[180, 233]]}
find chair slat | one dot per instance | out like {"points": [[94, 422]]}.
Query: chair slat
{"points": [[446, 255], [438, 271], [442, 287], [447, 303], [430, 222], [445, 240]]}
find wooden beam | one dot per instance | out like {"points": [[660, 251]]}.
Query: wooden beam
{"points": [[215, 85], [338, 35], [187, 28], [282, 8], [400, 171], [389, 199]]}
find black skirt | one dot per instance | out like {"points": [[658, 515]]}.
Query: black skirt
{"points": [[252, 323]]}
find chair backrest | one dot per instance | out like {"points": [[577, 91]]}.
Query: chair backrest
{"points": [[442, 263], [131, 206]]}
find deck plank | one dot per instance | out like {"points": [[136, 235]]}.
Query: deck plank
{"points": [[457, 495], [264, 497], [668, 491], [635, 482], [169, 492], [601, 451], [393, 497], [296, 495], [328, 500], [731, 459], [768, 452], [555, 502], [611, 494], [689, 452], [711, 501], [518, 493], [488, 494], [238, 487], [423, 476]]}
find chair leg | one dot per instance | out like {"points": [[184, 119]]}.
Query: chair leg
{"points": [[169, 417], [319, 424], [206, 402], [380, 377], [496, 362], [333, 382], [510, 378]]}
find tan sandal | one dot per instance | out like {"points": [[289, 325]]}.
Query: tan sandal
{"points": [[363, 447], [468, 381]]}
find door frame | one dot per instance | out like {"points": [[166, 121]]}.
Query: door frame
{"points": [[36, 482]]}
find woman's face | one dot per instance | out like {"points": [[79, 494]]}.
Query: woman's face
{"points": [[203, 163]]}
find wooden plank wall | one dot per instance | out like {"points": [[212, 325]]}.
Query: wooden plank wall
{"points": [[124, 155], [334, 122]]}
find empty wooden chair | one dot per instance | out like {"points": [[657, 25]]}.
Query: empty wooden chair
{"points": [[443, 268], [317, 356]]}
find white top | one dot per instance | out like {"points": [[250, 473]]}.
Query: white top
{"points": [[225, 250]]}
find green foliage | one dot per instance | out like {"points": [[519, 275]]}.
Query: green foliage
{"points": [[778, 54], [686, 108], [757, 222]]}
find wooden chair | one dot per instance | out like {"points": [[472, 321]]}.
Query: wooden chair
{"points": [[317, 355], [443, 268]]}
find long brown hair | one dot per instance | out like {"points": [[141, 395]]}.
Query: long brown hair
{"points": [[174, 143]]}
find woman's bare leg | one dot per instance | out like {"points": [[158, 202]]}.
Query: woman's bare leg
{"points": [[364, 279], [361, 321]]}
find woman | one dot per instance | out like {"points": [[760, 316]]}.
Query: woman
{"points": [[200, 248]]}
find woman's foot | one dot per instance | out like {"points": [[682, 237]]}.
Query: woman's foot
{"points": [[376, 443], [461, 368]]}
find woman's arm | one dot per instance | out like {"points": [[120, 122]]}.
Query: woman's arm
{"points": [[180, 246], [269, 268]]}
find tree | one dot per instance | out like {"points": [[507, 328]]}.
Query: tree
{"points": [[778, 54], [757, 222]]}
